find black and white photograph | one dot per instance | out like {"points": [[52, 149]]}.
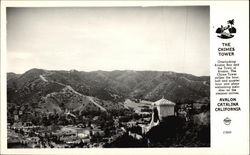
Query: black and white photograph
{"points": [[108, 77]]}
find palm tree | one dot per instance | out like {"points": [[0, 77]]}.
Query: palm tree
{"points": [[231, 29], [231, 22]]}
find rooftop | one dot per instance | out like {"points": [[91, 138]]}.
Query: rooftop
{"points": [[163, 101]]}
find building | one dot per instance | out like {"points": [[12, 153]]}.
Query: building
{"points": [[161, 109], [16, 118], [131, 123], [164, 108]]}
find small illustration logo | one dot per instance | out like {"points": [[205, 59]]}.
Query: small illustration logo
{"points": [[227, 31], [227, 121]]}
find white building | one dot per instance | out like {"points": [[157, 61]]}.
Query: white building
{"points": [[161, 109], [165, 108]]}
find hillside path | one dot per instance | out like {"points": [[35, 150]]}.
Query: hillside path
{"points": [[70, 88]]}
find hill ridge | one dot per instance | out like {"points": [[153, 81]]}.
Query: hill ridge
{"points": [[106, 87]]}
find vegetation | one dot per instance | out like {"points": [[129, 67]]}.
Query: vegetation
{"points": [[173, 132], [96, 98], [114, 86]]}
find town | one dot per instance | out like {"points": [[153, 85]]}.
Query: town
{"points": [[92, 129]]}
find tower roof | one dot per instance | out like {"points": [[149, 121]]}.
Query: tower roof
{"points": [[164, 101]]}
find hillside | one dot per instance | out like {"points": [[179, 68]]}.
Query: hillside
{"points": [[73, 89]]}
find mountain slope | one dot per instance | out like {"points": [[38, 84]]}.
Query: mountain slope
{"points": [[60, 90]]}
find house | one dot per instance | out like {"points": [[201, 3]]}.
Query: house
{"points": [[81, 125], [20, 112], [93, 126], [95, 118], [27, 124], [8, 125], [82, 135], [35, 140], [16, 118], [164, 108], [86, 140], [131, 123], [98, 132], [161, 109]]}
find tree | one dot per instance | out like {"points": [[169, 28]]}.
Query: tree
{"points": [[231, 22], [231, 29]]}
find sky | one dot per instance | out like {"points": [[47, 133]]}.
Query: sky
{"points": [[109, 38]]}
